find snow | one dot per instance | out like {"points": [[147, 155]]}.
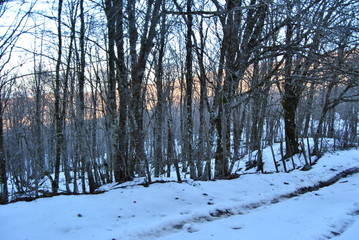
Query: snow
{"points": [[249, 207], [318, 215]]}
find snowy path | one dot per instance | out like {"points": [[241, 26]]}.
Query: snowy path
{"points": [[181, 211], [322, 214]]}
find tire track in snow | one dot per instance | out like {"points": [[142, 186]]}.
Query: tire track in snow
{"points": [[248, 208]]}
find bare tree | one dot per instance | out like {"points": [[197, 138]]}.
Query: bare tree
{"points": [[8, 40], [242, 31], [85, 160], [138, 68], [57, 95]]}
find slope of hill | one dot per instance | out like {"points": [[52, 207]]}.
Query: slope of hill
{"points": [[293, 205]]}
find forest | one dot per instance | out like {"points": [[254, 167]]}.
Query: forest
{"points": [[102, 91]]}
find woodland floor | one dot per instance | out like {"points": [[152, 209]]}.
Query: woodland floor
{"points": [[295, 205]]}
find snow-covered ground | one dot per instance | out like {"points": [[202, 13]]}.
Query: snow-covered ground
{"points": [[249, 207]]}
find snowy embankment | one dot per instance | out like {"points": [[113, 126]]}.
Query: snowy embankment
{"points": [[250, 207]]}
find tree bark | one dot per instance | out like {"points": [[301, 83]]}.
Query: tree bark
{"points": [[138, 67], [58, 120], [122, 169], [290, 97], [188, 151], [159, 111], [3, 176], [84, 153]]}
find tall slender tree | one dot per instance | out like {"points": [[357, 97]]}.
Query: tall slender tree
{"points": [[83, 151], [138, 68], [8, 40]]}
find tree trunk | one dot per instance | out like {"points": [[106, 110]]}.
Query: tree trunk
{"points": [[203, 126], [290, 98], [58, 120], [40, 158], [118, 149], [84, 153], [138, 68], [308, 110], [188, 151], [122, 169], [3, 177], [159, 111]]}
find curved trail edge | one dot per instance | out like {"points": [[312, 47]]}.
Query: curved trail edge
{"points": [[246, 208]]}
